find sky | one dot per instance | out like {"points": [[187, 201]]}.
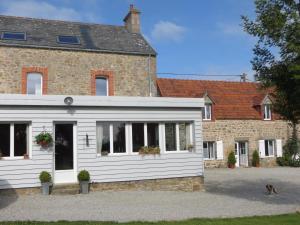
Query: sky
{"points": [[190, 36]]}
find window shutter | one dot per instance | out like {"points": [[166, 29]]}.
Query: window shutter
{"points": [[278, 148], [220, 150], [261, 144]]}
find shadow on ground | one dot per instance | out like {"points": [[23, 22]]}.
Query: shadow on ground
{"points": [[288, 192], [7, 195]]}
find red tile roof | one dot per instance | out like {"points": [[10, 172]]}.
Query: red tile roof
{"points": [[232, 100]]}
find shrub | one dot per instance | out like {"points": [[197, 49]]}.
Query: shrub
{"points": [[44, 138], [83, 175], [149, 150], [45, 177], [231, 159], [255, 158]]}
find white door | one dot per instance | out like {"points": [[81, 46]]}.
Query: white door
{"points": [[241, 152], [65, 153]]}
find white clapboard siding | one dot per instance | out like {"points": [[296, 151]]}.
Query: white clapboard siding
{"points": [[261, 146], [19, 173], [220, 150], [279, 148]]}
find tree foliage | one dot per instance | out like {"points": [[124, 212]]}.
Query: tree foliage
{"points": [[277, 52]]}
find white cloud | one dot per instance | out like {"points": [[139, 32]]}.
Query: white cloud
{"points": [[42, 9], [165, 30], [231, 29]]}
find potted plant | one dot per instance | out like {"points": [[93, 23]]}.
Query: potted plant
{"points": [[44, 139], [45, 179], [148, 150], [255, 159], [84, 181], [26, 156], [231, 160], [190, 147]]}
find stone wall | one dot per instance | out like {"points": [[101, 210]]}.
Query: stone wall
{"points": [[251, 131], [69, 72]]}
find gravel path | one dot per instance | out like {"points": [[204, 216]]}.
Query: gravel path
{"points": [[229, 193]]}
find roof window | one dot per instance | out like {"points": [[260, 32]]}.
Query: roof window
{"points": [[19, 36], [72, 40]]}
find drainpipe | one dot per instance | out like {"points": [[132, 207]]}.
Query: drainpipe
{"points": [[149, 76]]}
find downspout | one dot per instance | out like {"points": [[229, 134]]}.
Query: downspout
{"points": [[149, 76]]}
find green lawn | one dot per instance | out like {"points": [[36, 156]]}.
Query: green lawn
{"points": [[260, 220]]}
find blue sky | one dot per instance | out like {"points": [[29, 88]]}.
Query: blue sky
{"points": [[194, 36]]}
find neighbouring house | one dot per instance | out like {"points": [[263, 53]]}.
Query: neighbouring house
{"points": [[89, 86], [237, 117]]}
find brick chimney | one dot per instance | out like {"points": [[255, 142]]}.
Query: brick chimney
{"points": [[132, 20]]}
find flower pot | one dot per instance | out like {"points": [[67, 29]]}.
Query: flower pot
{"points": [[84, 187], [46, 188], [231, 166], [26, 156]]}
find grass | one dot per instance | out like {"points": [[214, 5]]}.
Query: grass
{"points": [[287, 219]]}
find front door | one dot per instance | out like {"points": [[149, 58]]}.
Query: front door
{"points": [[64, 153], [241, 153]]}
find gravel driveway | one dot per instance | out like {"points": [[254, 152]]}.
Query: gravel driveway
{"points": [[229, 193]]}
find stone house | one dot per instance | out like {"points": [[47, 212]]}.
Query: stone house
{"points": [[237, 117], [92, 88]]}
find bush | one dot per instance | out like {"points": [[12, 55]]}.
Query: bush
{"points": [[255, 158], [231, 159], [83, 175], [45, 177]]}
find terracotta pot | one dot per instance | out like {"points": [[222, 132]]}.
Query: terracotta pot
{"points": [[257, 165], [44, 144], [26, 156], [231, 166]]}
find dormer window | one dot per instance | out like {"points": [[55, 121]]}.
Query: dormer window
{"points": [[267, 112], [206, 112]]}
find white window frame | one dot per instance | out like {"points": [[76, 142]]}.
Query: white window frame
{"points": [[12, 140], [41, 80], [177, 136], [214, 149], [273, 141], [267, 111], [206, 107], [107, 86]]}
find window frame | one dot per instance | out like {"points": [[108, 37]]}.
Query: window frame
{"points": [[107, 85], [13, 32], [267, 110], [214, 143], [273, 145], [205, 112], [67, 43], [12, 139]]}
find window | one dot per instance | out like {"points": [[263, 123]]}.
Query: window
{"points": [[34, 83], [267, 112], [206, 112], [209, 150], [138, 137], [170, 131], [185, 137], [19, 36], [119, 138], [14, 140], [73, 40], [103, 138], [101, 86], [152, 134], [269, 147]]}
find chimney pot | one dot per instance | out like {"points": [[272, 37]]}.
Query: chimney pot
{"points": [[132, 20]]}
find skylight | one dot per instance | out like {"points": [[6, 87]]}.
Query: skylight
{"points": [[20, 36], [73, 40]]}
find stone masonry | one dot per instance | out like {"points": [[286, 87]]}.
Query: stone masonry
{"points": [[70, 72], [251, 131]]}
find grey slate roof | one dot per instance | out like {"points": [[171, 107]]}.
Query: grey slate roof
{"points": [[41, 33]]}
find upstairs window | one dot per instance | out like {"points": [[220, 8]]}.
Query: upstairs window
{"points": [[206, 112], [34, 84], [72, 40], [101, 86], [267, 112], [19, 36]]}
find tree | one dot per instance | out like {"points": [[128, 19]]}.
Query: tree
{"points": [[277, 53]]}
